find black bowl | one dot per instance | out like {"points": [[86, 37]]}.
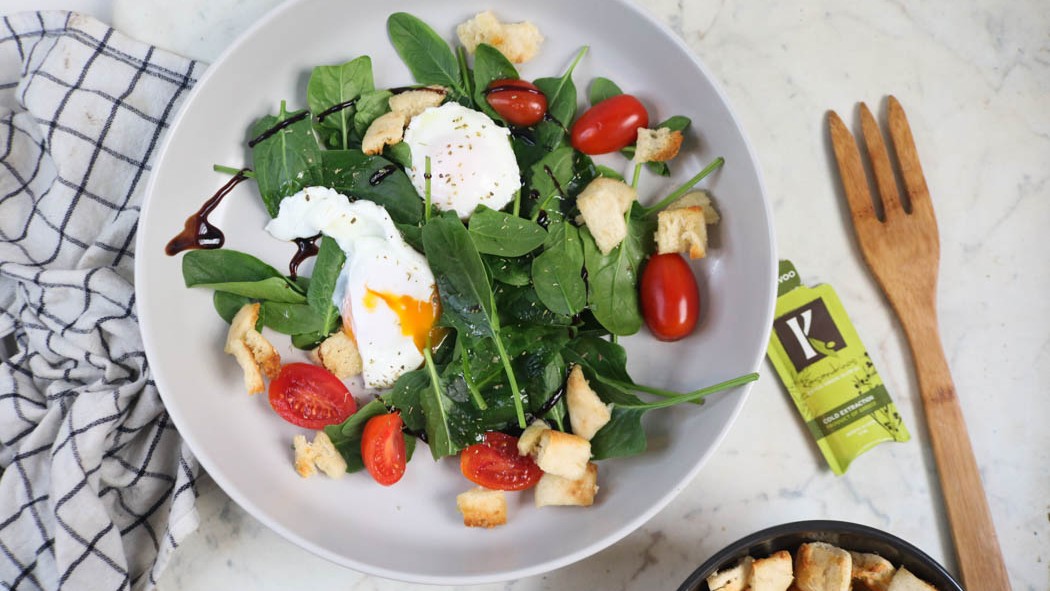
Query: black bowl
{"points": [[848, 536]]}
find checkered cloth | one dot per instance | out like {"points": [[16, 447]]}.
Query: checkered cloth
{"points": [[96, 487]]}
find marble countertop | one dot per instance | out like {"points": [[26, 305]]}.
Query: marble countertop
{"points": [[974, 77]]}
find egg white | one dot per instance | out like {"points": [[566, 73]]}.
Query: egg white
{"points": [[377, 259], [471, 160]]}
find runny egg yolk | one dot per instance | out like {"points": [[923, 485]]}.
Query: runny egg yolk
{"points": [[417, 317]]}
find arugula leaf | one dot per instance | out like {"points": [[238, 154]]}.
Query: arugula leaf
{"points": [[327, 265], [601, 89], [287, 161], [557, 271], [613, 278], [426, 54], [561, 105], [335, 85], [490, 65], [374, 178], [503, 234]]}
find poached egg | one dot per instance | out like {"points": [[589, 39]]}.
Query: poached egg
{"points": [[471, 160], [385, 293]]}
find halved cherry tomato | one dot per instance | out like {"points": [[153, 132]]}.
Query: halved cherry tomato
{"points": [[495, 464], [519, 102], [310, 396], [609, 125], [670, 298], [383, 448]]}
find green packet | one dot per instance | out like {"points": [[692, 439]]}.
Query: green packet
{"points": [[828, 373]]}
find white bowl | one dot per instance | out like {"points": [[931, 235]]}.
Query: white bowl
{"points": [[412, 530]]}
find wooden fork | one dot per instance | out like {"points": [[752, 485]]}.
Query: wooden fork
{"points": [[903, 251]]}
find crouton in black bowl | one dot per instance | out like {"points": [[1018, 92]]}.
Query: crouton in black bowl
{"points": [[864, 545]]}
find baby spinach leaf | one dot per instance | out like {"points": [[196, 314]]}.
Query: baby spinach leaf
{"points": [[426, 54], [287, 161], [292, 319], [489, 65], [228, 304], [609, 173], [405, 397], [601, 89], [557, 271], [327, 265], [561, 106], [346, 436], [275, 289], [400, 153], [336, 85], [369, 107], [604, 358], [613, 278], [353, 173], [503, 234], [223, 265], [549, 178], [521, 305], [514, 271], [466, 296]]}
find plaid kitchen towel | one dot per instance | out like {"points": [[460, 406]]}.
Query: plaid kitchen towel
{"points": [[96, 487]]}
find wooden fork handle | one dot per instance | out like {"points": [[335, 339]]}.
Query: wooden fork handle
{"points": [[979, 557]]}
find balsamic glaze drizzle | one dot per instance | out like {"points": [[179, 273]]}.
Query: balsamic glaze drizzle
{"points": [[198, 232], [305, 248], [380, 174], [278, 127], [335, 109]]}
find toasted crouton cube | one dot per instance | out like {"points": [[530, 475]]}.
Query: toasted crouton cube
{"points": [[339, 355], [657, 145], [256, 356], [732, 579], [414, 102], [482, 507], [603, 204], [387, 130], [587, 412], [563, 454], [772, 573], [822, 567], [871, 572], [682, 230], [519, 42], [557, 490], [701, 199], [905, 580], [530, 437], [319, 454]]}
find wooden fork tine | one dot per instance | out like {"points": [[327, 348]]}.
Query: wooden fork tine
{"points": [[908, 158], [854, 181], [880, 164]]}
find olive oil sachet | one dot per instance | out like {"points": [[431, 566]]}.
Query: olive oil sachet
{"points": [[828, 372]]}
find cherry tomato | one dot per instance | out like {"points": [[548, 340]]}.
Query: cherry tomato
{"points": [[310, 396], [495, 464], [383, 448], [610, 125], [519, 102], [670, 298]]}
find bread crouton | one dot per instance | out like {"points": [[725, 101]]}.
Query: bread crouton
{"points": [[904, 580], [482, 507], [603, 205], [587, 412], [413, 102], [339, 355], [387, 130], [657, 145], [772, 573], [530, 437], [871, 572], [701, 199], [557, 490], [822, 567], [682, 230], [319, 454], [563, 454], [732, 579], [518, 42], [256, 356]]}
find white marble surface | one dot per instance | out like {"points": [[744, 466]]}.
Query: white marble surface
{"points": [[974, 77]]}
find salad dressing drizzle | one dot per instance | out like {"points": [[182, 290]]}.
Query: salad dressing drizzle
{"points": [[198, 232], [278, 127], [335, 109], [305, 248]]}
